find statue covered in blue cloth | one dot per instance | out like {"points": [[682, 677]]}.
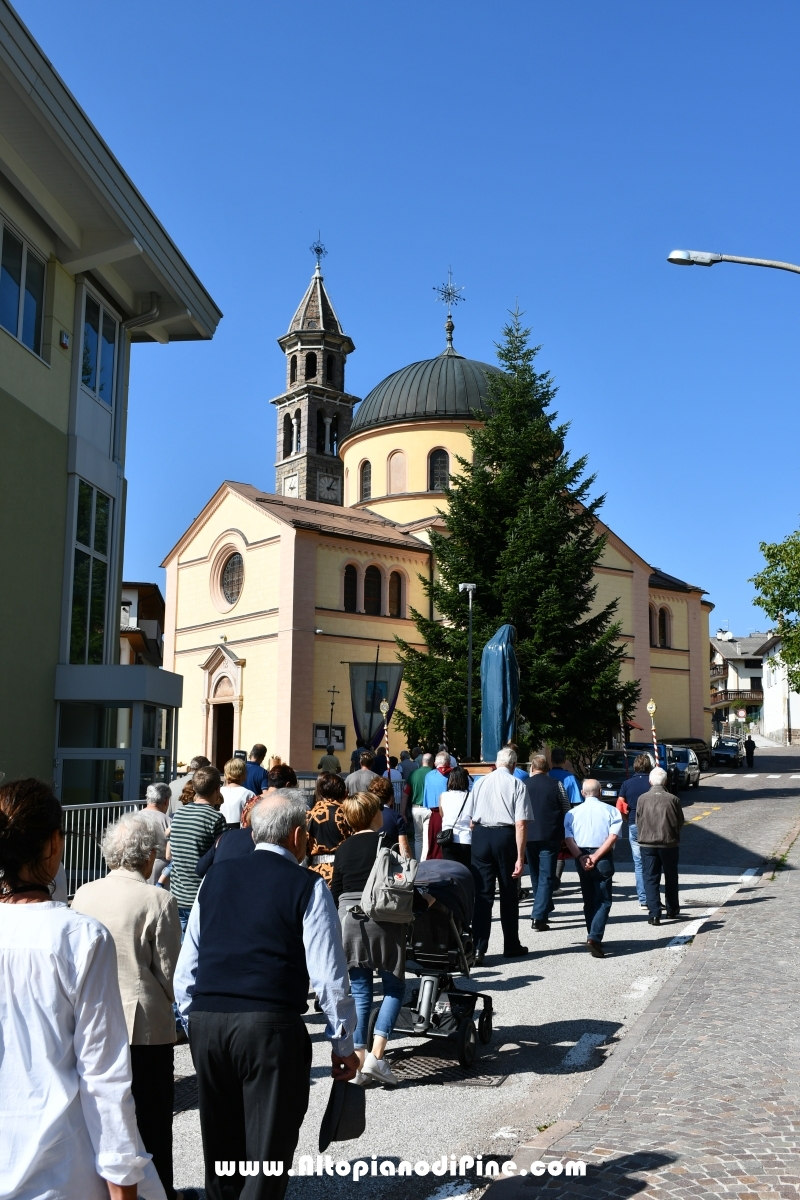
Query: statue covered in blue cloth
{"points": [[499, 692]]}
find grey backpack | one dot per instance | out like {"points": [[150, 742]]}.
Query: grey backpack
{"points": [[389, 892]]}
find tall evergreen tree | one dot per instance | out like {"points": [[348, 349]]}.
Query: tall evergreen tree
{"points": [[520, 524]]}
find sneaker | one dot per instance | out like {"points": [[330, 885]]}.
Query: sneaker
{"points": [[359, 1079], [378, 1068]]}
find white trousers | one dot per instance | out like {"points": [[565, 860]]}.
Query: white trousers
{"points": [[421, 817]]}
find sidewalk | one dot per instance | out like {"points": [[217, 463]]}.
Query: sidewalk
{"points": [[702, 1099]]}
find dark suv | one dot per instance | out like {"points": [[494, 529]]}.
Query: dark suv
{"points": [[705, 756], [611, 770]]}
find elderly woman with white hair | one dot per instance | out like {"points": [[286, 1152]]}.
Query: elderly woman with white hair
{"points": [[144, 923]]}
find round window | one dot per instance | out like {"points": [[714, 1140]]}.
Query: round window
{"points": [[232, 578]]}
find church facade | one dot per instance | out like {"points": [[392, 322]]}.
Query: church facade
{"points": [[282, 608]]}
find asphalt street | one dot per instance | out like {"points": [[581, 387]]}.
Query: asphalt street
{"points": [[558, 1012]]}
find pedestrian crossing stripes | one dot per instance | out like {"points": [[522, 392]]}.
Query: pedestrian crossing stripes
{"points": [[773, 777]]}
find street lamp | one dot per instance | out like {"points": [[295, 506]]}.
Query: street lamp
{"points": [[703, 258], [469, 588]]}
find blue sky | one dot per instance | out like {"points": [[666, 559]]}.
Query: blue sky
{"points": [[553, 154]]}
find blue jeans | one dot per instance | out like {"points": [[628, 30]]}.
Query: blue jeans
{"points": [[596, 889], [183, 917], [361, 987], [542, 859], [180, 1021], [637, 864]]}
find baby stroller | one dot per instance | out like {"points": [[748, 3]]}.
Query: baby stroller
{"points": [[438, 949]]}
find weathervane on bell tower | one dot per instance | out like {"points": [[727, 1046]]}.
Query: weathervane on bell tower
{"points": [[318, 250], [450, 295]]}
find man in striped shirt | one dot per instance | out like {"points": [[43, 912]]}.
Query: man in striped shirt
{"points": [[195, 828]]}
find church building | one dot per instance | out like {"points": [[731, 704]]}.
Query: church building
{"points": [[282, 608]]}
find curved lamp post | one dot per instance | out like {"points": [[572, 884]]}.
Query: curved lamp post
{"points": [[703, 258], [651, 708]]}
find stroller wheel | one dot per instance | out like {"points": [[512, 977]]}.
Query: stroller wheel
{"points": [[467, 1042], [485, 1026]]}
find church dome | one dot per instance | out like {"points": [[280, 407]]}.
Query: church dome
{"points": [[448, 387]]}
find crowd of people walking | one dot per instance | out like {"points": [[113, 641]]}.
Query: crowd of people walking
{"points": [[176, 943]]}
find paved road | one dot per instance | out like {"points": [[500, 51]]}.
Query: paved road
{"points": [[558, 1011]]}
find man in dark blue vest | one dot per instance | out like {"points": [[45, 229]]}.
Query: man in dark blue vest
{"points": [[545, 834], [262, 928]]}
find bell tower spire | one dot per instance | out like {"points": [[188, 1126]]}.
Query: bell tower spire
{"points": [[314, 412]]}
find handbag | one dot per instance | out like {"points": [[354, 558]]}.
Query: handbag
{"points": [[445, 837]]}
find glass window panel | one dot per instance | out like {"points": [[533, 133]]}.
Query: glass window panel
{"points": [[101, 511], [33, 304], [92, 781], [149, 725], [97, 614], [106, 389], [84, 530], [146, 773], [91, 337], [163, 739], [162, 766], [372, 591], [80, 608], [10, 282], [94, 726]]}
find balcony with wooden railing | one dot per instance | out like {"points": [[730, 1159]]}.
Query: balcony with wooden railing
{"points": [[750, 697], [719, 670]]}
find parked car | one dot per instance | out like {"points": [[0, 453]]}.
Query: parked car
{"points": [[728, 752], [685, 759], [611, 770], [705, 755]]}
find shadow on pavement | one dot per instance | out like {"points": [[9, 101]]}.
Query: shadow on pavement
{"points": [[612, 1177]]}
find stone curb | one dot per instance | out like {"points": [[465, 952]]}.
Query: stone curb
{"points": [[601, 1080]]}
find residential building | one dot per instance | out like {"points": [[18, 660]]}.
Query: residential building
{"points": [[141, 628], [278, 604], [87, 269], [781, 711], [736, 677]]}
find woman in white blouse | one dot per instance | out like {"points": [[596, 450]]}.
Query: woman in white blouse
{"points": [[455, 804], [66, 1110], [234, 794]]}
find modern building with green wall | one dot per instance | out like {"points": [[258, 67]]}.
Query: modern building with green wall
{"points": [[86, 269]]}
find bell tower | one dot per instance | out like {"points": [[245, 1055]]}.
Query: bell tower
{"points": [[315, 411]]}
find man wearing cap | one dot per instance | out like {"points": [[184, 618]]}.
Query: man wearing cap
{"points": [[243, 978]]}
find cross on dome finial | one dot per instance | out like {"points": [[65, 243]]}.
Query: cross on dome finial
{"points": [[449, 294], [318, 249]]}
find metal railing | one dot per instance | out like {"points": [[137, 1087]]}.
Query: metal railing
{"points": [[751, 697], [84, 826]]}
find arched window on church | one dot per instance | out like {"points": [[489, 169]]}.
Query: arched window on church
{"points": [[335, 434], [293, 369], [288, 435], [365, 491], [350, 588], [311, 365], [395, 594], [372, 591], [653, 626], [397, 473], [439, 472], [664, 631], [298, 424], [320, 433], [330, 369]]}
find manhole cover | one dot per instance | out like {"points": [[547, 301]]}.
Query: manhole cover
{"points": [[428, 1068], [185, 1093]]}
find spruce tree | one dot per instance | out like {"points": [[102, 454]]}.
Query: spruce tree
{"points": [[521, 525]]}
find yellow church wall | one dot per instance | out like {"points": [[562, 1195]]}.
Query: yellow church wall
{"points": [[330, 671], [334, 555], [670, 690], [617, 586]]}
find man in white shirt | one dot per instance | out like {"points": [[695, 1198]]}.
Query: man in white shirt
{"points": [[500, 814], [590, 831]]}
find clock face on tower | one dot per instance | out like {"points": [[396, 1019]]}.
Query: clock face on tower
{"points": [[290, 486], [329, 488]]}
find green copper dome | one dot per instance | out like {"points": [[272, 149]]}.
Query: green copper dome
{"points": [[448, 387]]}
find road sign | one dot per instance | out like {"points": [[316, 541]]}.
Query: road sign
{"points": [[741, 713]]}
